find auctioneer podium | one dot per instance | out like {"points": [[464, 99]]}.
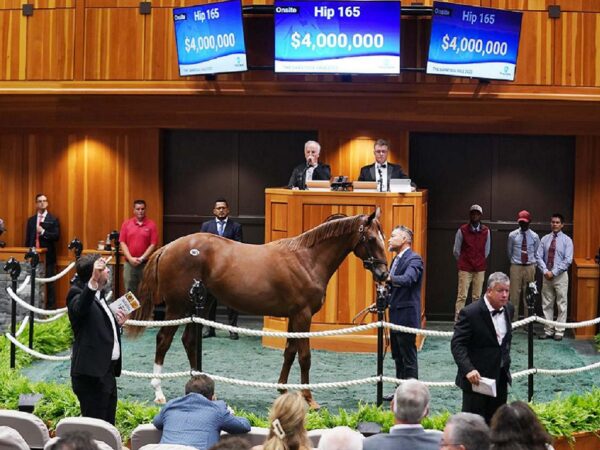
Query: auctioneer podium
{"points": [[289, 213]]}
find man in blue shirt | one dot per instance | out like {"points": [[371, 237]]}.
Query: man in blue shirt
{"points": [[554, 256], [522, 247], [197, 418]]}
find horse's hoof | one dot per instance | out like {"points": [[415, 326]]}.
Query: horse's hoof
{"points": [[160, 400]]}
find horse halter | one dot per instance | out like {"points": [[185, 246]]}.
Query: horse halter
{"points": [[369, 262]]}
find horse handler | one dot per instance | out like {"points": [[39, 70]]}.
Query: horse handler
{"points": [[96, 355]]}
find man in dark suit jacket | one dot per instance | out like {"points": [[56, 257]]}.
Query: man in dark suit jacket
{"points": [[222, 226], [311, 170], [381, 169], [43, 230], [96, 354], [481, 346], [410, 406], [405, 278]]}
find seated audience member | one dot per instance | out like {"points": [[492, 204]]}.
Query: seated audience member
{"points": [[197, 418], [311, 169], [75, 440], [410, 406], [341, 438], [466, 431], [231, 443], [515, 426], [381, 171], [287, 431]]}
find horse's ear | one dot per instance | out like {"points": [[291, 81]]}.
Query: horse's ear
{"points": [[375, 215]]}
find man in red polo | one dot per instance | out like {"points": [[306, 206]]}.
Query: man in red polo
{"points": [[138, 240], [471, 249]]}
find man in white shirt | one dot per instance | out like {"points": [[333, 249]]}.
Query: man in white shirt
{"points": [[381, 170]]}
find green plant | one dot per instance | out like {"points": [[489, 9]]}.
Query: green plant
{"points": [[597, 340]]}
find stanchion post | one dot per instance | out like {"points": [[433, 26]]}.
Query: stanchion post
{"points": [[77, 248], [530, 299], [114, 237], [13, 267], [382, 294], [198, 296], [34, 259]]}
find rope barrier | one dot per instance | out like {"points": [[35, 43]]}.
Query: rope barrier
{"points": [[24, 285], [51, 319], [24, 304], [39, 355], [58, 275], [22, 327]]}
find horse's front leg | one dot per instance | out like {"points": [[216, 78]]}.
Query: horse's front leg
{"points": [[163, 341], [289, 354], [302, 324]]}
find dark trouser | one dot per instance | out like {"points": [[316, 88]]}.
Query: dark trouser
{"points": [[132, 276], [232, 314], [97, 395], [484, 405], [404, 352], [50, 290]]}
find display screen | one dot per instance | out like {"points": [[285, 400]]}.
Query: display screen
{"points": [[468, 41], [337, 37], [210, 38]]}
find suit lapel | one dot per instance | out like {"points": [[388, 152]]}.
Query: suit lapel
{"points": [[372, 170], [487, 319]]}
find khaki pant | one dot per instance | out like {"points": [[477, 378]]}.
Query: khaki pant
{"points": [[520, 277], [132, 276], [555, 291], [466, 279]]}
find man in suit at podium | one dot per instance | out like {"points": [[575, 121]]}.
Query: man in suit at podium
{"points": [[43, 230], [381, 171], [227, 228], [311, 169]]}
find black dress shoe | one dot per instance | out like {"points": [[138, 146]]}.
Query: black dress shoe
{"points": [[389, 397], [208, 333], [558, 338], [545, 336], [233, 336]]}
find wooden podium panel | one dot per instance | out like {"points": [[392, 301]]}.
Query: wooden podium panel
{"points": [[289, 213]]}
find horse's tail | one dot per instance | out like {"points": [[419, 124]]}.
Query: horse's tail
{"points": [[147, 291]]}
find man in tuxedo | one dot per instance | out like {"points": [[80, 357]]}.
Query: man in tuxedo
{"points": [[481, 347], [410, 406], [381, 170], [405, 278], [227, 228], [43, 230], [311, 169], [96, 354]]}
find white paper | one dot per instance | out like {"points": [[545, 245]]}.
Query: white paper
{"points": [[126, 303], [487, 386]]}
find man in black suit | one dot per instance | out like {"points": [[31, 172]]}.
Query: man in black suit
{"points": [[2, 243], [381, 170], [96, 354], [229, 229], [311, 170], [481, 347], [43, 230]]}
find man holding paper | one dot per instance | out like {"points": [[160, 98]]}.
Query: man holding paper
{"points": [[481, 349]]}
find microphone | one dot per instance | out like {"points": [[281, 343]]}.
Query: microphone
{"points": [[533, 287], [380, 179]]}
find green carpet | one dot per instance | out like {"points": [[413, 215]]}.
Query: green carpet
{"points": [[246, 359]]}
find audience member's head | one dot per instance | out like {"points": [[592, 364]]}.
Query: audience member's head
{"points": [[231, 443], [85, 266], [201, 384], [411, 402], [341, 438], [286, 418], [515, 426], [75, 440], [466, 431]]}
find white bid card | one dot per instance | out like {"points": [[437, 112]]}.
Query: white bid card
{"points": [[126, 303], [487, 386]]}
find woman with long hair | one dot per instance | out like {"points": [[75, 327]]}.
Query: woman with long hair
{"points": [[515, 426], [287, 418]]}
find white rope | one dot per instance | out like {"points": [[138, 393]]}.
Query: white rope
{"points": [[22, 327], [393, 326], [158, 323], [57, 276], [51, 319], [39, 355], [24, 304], [24, 285], [522, 322], [587, 323], [428, 383]]}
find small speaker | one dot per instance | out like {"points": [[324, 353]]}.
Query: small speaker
{"points": [[27, 9], [554, 11], [145, 8]]}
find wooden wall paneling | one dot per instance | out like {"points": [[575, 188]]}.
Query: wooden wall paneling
{"points": [[577, 61], [13, 44], [51, 4], [536, 49], [114, 44], [50, 44], [160, 62], [519, 5], [13, 210], [112, 3], [576, 5]]}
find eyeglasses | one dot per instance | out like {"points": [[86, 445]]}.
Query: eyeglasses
{"points": [[447, 444], [381, 151], [42, 201]]}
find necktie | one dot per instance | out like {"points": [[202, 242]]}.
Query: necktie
{"points": [[524, 257], [380, 184], [220, 227], [37, 233], [497, 311], [551, 252]]}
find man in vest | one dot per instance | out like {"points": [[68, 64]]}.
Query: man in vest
{"points": [[471, 249]]}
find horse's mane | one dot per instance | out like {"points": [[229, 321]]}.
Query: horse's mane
{"points": [[334, 227]]}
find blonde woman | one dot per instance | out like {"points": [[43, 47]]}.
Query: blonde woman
{"points": [[286, 430]]}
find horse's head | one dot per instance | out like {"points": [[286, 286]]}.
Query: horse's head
{"points": [[371, 247]]}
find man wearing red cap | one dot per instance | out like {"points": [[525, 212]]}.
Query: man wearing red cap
{"points": [[522, 247]]}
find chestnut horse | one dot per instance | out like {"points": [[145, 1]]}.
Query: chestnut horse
{"points": [[284, 278]]}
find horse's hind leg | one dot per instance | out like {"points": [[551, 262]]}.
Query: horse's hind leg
{"points": [[163, 341], [302, 324], [289, 354], [189, 343]]}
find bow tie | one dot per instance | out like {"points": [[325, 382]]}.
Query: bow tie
{"points": [[497, 311], [382, 166]]}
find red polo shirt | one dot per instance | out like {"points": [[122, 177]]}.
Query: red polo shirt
{"points": [[138, 236]]}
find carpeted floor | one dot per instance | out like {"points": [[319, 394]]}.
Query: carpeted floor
{"points": [[247, 359]]}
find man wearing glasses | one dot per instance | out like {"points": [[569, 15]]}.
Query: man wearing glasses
{"points": [[381, 171], [43, 230]]}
